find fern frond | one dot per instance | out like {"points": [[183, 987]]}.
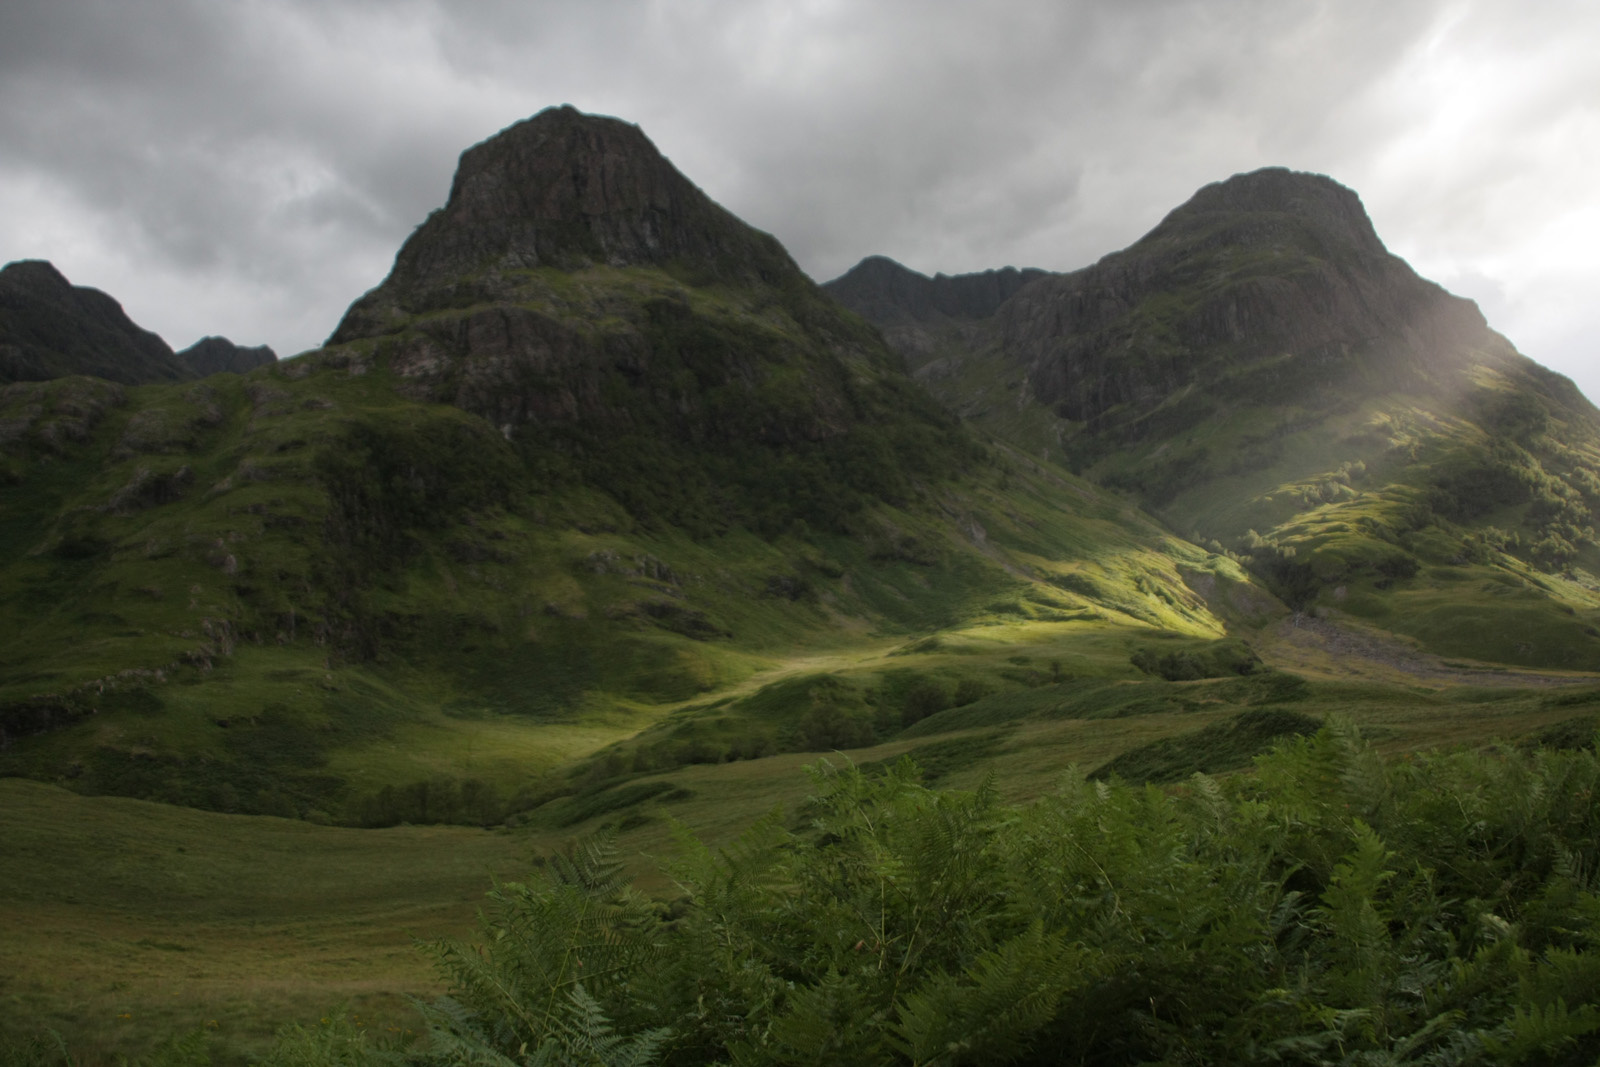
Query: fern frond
{"points": [[458, 1037], [993, 1011], [586, 1037], [1541, 1032]]}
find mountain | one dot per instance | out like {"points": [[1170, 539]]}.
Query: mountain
{"points": [[567, 191], [216, 355], [595, 481], [883, 291], [1266, 376], [597, 521], [586, 299], [50, 328]]}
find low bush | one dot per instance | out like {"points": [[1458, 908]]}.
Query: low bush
{"points": [[1217, 660], [1333, 907]]}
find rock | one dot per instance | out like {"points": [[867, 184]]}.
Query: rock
{"points": [[566, 190], [886, 293], [1274, 279], [1263, 265], [50, 328], [582, 296], [218, 355]]}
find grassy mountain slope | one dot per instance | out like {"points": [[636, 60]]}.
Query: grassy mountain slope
{"points": [[578, 465], [1261, 373], [242, 594], [598, 516]]}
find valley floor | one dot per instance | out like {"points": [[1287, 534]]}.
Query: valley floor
{"points": [[127, 921]]}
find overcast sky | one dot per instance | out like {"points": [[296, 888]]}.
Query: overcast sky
{"points": [[250, 167]]}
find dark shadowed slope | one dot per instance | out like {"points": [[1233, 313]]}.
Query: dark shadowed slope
{"points": [[50, 328], [217, 355]]}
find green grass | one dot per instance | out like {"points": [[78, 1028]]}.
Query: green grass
{"points": [[176, 917], [313, 592], [1214, 749], [128, 921], [352, 592]]}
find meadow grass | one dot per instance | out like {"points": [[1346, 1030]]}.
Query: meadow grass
{"points": [[604, 672], [128, 921]]}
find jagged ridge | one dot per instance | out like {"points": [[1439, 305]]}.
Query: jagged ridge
{"points": [[888, 294]]}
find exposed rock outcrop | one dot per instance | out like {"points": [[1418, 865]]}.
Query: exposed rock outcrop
{"points": [[586, 298], [218, 355], [884, 292], [1275, 279], [1268, 266], [566, 190]]}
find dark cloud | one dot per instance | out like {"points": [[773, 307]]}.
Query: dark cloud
{"points": [[250, 168]]}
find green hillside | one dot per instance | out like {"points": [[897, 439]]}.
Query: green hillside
{"points": [[226, 591], [514, 516], [1263, 375], [597, 524]]}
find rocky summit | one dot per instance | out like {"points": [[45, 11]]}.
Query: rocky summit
{"points": [[217, 355], [1274, 279], [1263, 373], [590, 302], [1275, 271], [50, 328], [565, 190]]}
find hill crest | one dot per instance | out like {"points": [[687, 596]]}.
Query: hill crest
{"points": [[50, 328], [1333, 210], [887, 292], [567, 190]]}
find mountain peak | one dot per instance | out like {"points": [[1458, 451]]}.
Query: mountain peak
{"points": [[50, 328], [215, 355], [1253, 199], [33, 274], [886, 292], [568, 190]]}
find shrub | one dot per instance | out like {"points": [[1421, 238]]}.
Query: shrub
{"points": [[925, 698], [1219, 660], [1333, 907]]}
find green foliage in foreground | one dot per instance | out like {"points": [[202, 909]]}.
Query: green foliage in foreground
{"points": [[1331, 908]]}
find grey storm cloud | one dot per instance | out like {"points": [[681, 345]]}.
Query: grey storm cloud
{"points": [[251, 167]]}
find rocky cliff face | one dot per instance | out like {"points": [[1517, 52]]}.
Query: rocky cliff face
{"points": [[934, 323], [591, 302], [50, 328], [1269, 266], [218, 355], [886, 293], [1269, 288], [565, 190]]}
